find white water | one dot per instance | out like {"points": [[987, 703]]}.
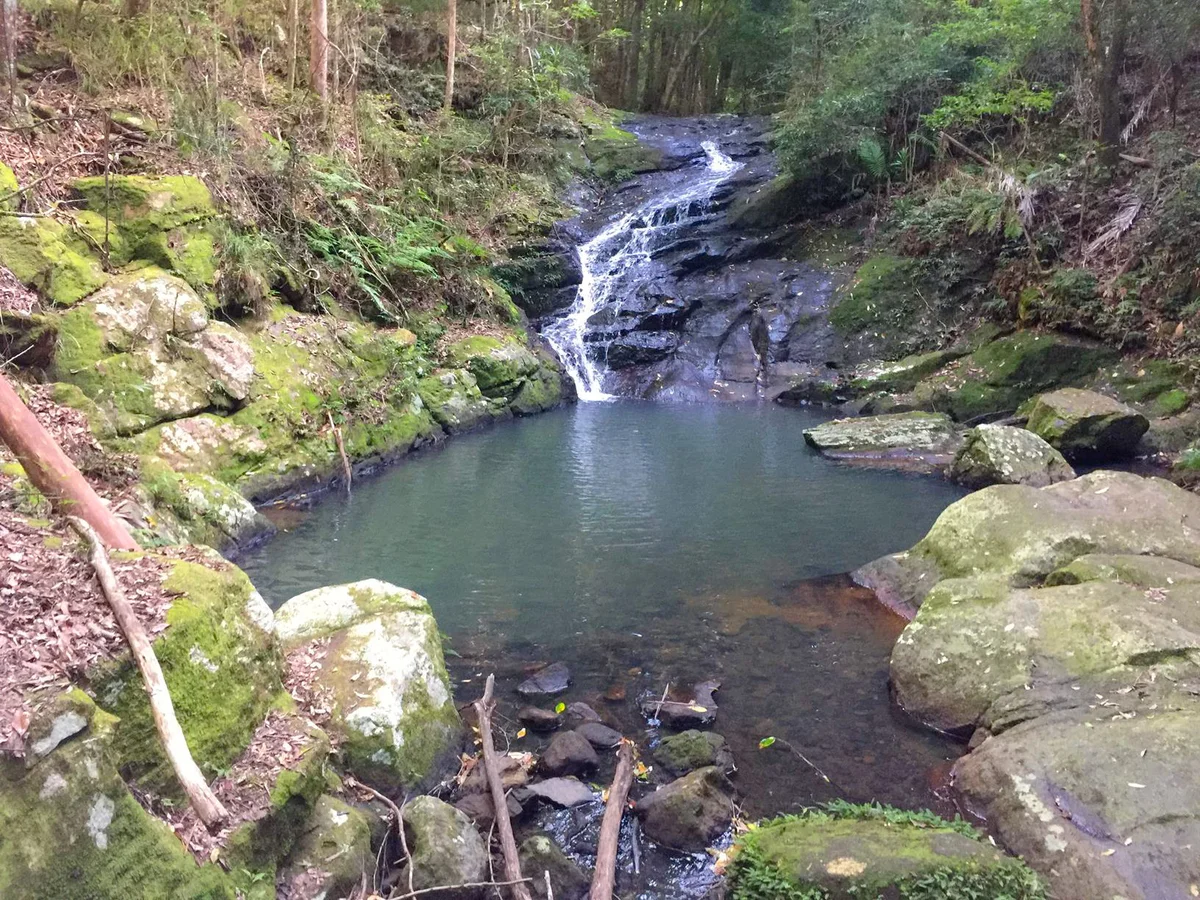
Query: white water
{"points": [[622, 245]]}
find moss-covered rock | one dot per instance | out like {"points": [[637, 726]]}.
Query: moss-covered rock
{"points": [[333, 852], [221, 667], [144, 350], [539, 854], [690, 812], [71, 828], [195, 508], [500, 366], [881, 296], [454, 400], [878, 853], [8, 189], [140, 207], [917, 440], [1085, 425], [903, 375], [1003, 374], [45, 255], [384, 669], [690, 750], [445, 848], [1001, 454], [613, 152]]}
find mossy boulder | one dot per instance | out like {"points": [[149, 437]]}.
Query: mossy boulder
{"points": [[392, 703], [1001, 454], [221, 666], [144, 351], [1085, 425], [156, 219], [881, 297], [882, 853], [332, 854], [690, 750], [539, 854], [195, 508], [689, 813], [71, 828], [8, 189], [453, 398], [500, 365], [917, 440], [902, 375], [444, 847], [613, 152], [1003, 374], [47, 256]]}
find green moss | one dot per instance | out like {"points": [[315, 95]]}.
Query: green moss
{"points": [[46, 257], [498, 365], [222, 671], [848, 851], [880, 296], [1172, 403], [72, 829], [614, 153], [9, 188]]}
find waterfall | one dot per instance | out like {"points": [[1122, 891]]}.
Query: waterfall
{"points": [[620, 247]]}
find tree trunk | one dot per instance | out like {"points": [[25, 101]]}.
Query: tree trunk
{"points": [[318, 56], [8, 37], [451, 49], [681, 63], [1106, 32], [52, 473], [632, 70]]}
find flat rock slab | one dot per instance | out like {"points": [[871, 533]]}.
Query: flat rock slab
{"points": [[564, 791], [915, 441], [554, 679], [847, 857]]}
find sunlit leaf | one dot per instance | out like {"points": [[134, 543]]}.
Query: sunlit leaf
{"points": [[521, 733], [560, 708], [765, 743]]}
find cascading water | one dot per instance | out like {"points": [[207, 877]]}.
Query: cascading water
{"points": [[620, 247]]}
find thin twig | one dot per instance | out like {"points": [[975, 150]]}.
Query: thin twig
{"points": [[658, 709], [459, 887]]}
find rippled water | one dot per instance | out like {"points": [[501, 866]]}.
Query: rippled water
{"points": [[645, 544]]}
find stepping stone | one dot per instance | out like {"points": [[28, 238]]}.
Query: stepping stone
{"points": [[564, 792], [554, 679]]}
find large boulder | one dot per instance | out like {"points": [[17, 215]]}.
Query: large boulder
{"points": [[860, 853], [385, 673], [49, 257], [71, 827], [541, 857], [1000, 376], [453, 398], [1086, 426], [917, 440], [689, 813], [144, 350], [1002, 454], [444, 847]]}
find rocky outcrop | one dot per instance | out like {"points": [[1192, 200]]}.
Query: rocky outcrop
{"points": [[1060, 626], [1001, 454], [690, 813], [914, 440], [392, 704], [1084, 425], [856, 852]]}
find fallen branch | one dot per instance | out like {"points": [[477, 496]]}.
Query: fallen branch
{"points": [[508, 844], [520, 882], [52, 472], [337, 436], [610, 826], [206, 804]]}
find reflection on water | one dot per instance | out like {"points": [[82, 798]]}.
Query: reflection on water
{"points": [[646, 544]]}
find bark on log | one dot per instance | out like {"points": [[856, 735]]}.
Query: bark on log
{"points": [[53, 473], [508, 844], [207, 806], [605, 876]]}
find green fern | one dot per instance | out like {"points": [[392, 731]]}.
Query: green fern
{"points": [[873, 158]]}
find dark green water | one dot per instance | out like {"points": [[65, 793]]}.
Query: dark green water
{"points": [[646, 543]]}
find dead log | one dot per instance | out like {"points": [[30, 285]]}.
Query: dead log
{"points": [[53, 473], [508, 844], [605, 876], [207, 806]]}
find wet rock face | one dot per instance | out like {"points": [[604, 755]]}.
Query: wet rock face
{"points": [[720, 308]]}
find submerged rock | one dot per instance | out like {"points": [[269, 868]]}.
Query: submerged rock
{"points": [[579, 712], [445, 848], [553, 679], [538, 856], [845, 856], [689, 750], [916, 440], [1001, 454], [690, 813], [539, 719], [701, 710], [392, 703], [599, 735], [1086, 426], [562, 791], [569, 753]]}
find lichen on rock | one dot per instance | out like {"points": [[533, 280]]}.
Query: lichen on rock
{"points": [[1002, 454]]}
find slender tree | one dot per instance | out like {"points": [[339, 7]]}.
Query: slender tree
{"points": [[8, 37], [1106, 33], [318, 60], [451, 49]]}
